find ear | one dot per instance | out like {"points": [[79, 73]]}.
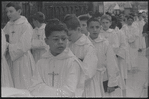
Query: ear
{"points": [[19, 11], [79, 29]]}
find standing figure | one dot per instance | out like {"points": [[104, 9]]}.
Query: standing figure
{"points": [[107, 69], [82, 47], [38, 43], [20, 34], [58, 70]]}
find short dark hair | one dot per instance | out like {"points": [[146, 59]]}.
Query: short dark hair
{"points": [[92, 19], [107, 17], [16, 5], [39, 16], [71, 21], [130, 17], [83, 17], [54, 25]]}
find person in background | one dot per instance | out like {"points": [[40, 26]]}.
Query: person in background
{"points": [[38, 43], [84, 50], [83, 21], [20, 33], [106, 76]]}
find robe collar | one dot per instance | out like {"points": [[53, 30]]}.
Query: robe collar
{"points": [[42, 27], [82, 40], [97, 40], [21, 20], [108, 31], [64, 55]]}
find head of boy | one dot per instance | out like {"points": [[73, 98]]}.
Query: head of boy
{"points": [[74, 27], [130, 20], [114, 22], [93, 27], [106, 22], [13, 10], [140, 16], [56, 36], [38, 18], [83, 21]]}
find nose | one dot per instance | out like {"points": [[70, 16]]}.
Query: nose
{"points": [[60, 41]]}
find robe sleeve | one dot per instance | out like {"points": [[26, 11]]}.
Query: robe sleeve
{"points": [[23, 45], [3, 43], [112, 68], [122, 48], [90, 62], [40, 89]]}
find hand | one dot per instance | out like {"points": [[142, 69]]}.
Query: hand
{"points": [[110, 89]]}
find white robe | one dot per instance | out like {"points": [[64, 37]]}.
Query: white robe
{"points": [[112, 37], [67, 68], [85, 51], [6, 78], [20, 34], [107, 62], [141, 40], [38, 43], [131, 39], [121, 53]]}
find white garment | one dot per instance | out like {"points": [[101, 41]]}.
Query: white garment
{"points": [[85, 51], [6, 78], [107, 60], [112, 37], [131, 39], [20, 34], [66, 68], [38, 44]]}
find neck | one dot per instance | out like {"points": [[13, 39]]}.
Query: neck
{"points": [[78, 36], [39, 25], [105, 29], [16, 19]]}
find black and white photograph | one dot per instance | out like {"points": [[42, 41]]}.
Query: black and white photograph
{"points": [[74, 49]]}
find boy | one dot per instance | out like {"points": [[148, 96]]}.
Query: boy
{"points": [[58, 70], [131, 40], [81, 47], [20, 33], [6, 79], [106, 59], [38, 43], [108, 33], [83, 21]]}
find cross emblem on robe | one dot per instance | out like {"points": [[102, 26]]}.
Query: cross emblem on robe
{"points": [[53, 74]]}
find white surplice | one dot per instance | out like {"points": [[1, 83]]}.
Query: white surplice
{"points": [[112, 37], [107, 62], [141, 40], [6, 78], [38, 43], [131, 41], [66, 70], [85, 51], [121, 56], [20, 34]]}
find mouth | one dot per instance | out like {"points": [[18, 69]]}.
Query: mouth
{"points": [[61, 47]]}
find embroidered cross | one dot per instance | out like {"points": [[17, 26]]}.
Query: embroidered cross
{"points": [[53, 74]]}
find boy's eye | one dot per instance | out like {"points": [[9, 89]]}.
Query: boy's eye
{"points": [[55, 39], [63, 39]]}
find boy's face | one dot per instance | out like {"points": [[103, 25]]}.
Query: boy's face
{"points": [[84, 27], [105, 24], [73, 34], [94, 29], [12, 13], [129, 21], [57, 42]]}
